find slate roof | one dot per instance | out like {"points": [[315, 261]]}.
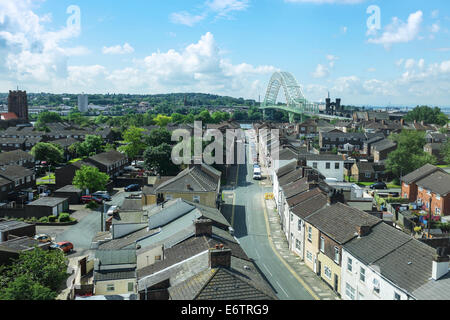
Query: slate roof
{"points": [[119, 274], [20, 244], [420, 173], [293, 201], [383, 145], [292, 176], [116, 257], [131, 204], [324, 157], [108, 158], [47, 202], [438, 182], [199, 178], [65, 142], [7, 225], [296, 187], [434, 290], [14, 157], [382, 240], [409, 266], [365, 166], [235, 283], [309, 206], [340, 221], [14, 172]]}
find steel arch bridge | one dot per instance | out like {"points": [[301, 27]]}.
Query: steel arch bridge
{"points": [[295, 99]]}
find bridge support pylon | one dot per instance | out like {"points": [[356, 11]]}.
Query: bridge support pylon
{"points": [[291, 117]]}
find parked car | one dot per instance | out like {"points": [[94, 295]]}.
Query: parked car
{"points": [[102, 195], [65, 246], [379, 186], [43, 238], [112, 210], [132, 188], [87, 199]]}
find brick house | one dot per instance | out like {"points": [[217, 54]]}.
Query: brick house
{"points": [[110, 162], [435, 188], [409, 186], [367, 172]]}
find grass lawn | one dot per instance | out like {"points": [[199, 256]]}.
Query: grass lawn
{"points": [[74, 160], [443, 166]]}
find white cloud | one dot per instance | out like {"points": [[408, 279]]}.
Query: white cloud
{"points": [[186, 18], [125, 49], [435, 14], [399, 31], [435, 28], [217, 8], [321, 72]]}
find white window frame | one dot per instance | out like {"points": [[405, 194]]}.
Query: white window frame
{"points": [[349, 264], [110, 287], [309, 256], [327, 272], [350, 291], [322, 244], [337, 255], [362, 275], [309, 233]]}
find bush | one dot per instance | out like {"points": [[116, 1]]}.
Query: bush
{"points": [[43, 220], [92, 205], [64, 217], [52, 219]]}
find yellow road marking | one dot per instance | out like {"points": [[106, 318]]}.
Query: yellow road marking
{"points": [[311, 292]]}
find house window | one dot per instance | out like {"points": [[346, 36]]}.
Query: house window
{"points": [[315, 165], [322, 244], [376, 286], [110, 287], [337, 255], [299, 227], [327, 272], [397, 296], [169, 197], [350, 291], [292, 217], [368, 175], [157, 258], [349, 265], [362, 275], [130, 286], [298, 244], [310, 234], [309, 256], [328, 165], [337, 166], [196, 199]]}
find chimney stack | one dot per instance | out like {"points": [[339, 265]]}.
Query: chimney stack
{"points": [[440, 264], [203, 227], [402, 122], [363, 231], [220, 258]]}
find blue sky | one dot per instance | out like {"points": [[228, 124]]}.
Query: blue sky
{"points": [[229, 47]]}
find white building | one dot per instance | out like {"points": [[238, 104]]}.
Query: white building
{"points": [[387, 264], [331, 166], [83, 103]]}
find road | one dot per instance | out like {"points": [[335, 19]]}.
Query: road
{"points": [[250, 229]]}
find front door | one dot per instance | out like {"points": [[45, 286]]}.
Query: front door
{"points": [[319, 271], [336, 283]]}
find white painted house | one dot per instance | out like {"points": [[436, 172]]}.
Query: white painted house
{"points": [[387, 264], [331, 166]]}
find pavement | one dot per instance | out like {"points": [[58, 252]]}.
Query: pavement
{"points": [[259, 233]]}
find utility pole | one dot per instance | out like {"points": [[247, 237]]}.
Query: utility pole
{"points": [[429, 221]]}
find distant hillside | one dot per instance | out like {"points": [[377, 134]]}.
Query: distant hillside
{"points": [[172, 99]]}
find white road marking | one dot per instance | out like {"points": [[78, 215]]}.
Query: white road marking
{"points": [[268, 270], [282, 289], [257, 253]]}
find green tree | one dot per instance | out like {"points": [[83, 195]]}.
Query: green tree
{"points": [[158, 159], [49, 152], [90, 178], [158, 137], [35, 275], [428, 115], [205, 117], [445, 152], [135, 145], [162, 120], [409, 155], [90, 146]]}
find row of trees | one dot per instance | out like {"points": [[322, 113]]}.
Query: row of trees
{"points": [[428, 115]]}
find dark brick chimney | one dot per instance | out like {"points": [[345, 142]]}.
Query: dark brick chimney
{"points": [[203, 227], [220, 258], [363, 231]]}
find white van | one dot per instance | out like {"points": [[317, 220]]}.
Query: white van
{"points": [[257, 173]]}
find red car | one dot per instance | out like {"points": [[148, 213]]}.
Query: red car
{"points": [[64, 246], [87, 199]]}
